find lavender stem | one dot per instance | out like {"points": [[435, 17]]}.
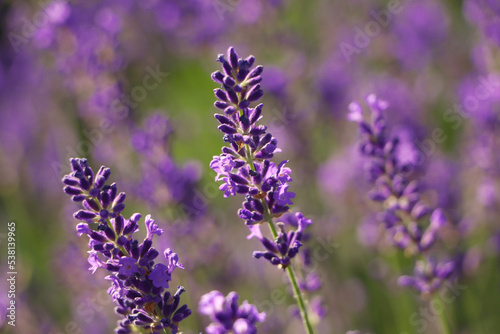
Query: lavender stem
{"points": [[444, 327], [293, 280], [246, 168]]}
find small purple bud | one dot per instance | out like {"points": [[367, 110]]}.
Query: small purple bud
{"points": [[72, 190], [224, 128], [70, 180], [78, 198], [233, 59], [221, 105], [232, 96], [238, 179], [224, 120], [230, 110], [220, 94], [217, 76], [85, 215], [98, 237], [256, 72], [228, 81], [75, 164]]}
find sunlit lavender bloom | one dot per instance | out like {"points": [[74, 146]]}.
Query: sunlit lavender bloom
{"points": [[137, 283], [228, 316], [245, 166], [410, 223]]}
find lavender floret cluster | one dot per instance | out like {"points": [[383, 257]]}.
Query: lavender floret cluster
{"points": [[138, 285], [410, 223], [244, 166], [285, 247], [228, 316]]}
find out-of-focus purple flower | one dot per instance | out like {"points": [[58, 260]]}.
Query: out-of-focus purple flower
{"points": [[275, 81], [333, 82], [480, 99], [228, 316], [419, 28], [163, 181], [406, 217], [340, 171], [484, 14], [429, 276]]}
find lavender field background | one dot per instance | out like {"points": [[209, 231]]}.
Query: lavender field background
{"points": [[127, 84]]}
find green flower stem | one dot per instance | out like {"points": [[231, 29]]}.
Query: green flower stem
{"points": [[444, 327], [293, 280]]}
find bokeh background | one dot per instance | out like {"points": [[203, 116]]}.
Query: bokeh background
{"points": [[127, 84]]}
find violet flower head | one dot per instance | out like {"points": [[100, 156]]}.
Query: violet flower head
{"points": [[137, 283], [429, 275], [244, 166], [163, 181], [410, 223], [228, 316]]}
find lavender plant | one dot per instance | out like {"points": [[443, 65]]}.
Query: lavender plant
{"points": [[228, 316], [245, 167], [410, 223], [138, 284]]}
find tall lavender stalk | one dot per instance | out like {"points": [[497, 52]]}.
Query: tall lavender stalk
{"points": [[245, 167], [410, 223], [138, 285]]}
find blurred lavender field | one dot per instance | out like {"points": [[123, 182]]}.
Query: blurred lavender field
{"points": [[402, 187]]}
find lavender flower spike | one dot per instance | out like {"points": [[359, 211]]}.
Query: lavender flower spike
{"points": [[245, 165], [410, 223], [228, 316], [138, 285]]}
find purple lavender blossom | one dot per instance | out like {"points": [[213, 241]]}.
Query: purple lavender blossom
{"points": [[245, 166], [228, 316], [137, 283], [410, 223]]}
